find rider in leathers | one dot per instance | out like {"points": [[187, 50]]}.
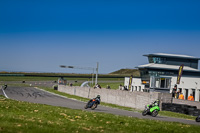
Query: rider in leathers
{"points": [[98, 99], [155, 103]]}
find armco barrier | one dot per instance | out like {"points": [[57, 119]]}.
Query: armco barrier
{"points": [[124, 98]]}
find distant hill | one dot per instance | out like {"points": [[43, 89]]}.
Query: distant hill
{"points": [[134, 72]]}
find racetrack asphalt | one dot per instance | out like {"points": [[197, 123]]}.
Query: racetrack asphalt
{"points": [[35, 95]]}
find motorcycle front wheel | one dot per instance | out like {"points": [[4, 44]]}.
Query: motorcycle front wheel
{"points": [[154, 113], [94, 106], [198, 119], [86, 106], [144, 112]]}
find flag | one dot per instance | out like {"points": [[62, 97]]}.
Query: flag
{"points": [[180, 71], [130, 82]]}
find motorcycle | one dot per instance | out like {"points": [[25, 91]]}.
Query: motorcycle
{"points": [[92, 104], [198, 119], [151, 110]]}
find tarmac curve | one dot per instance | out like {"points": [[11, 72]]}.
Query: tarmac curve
{"points": [[35, 95]]}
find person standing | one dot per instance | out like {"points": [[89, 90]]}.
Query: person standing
{"points": [[174, 91], [191, 98], [177, 94]]}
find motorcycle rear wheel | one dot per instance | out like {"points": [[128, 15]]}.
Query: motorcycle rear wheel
{"points": [[144, 112]]}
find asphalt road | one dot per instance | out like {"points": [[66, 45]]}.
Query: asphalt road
{"points": [[35, 95]]}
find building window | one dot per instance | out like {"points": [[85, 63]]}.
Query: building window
{"points": [[160, 82], [157, 60]]}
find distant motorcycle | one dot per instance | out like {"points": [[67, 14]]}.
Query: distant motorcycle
{"points": [[93, 103], [198, 119], [151, 110]]}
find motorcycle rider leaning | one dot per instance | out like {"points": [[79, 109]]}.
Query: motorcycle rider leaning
{"points": [[155, 103], [98, 99]]}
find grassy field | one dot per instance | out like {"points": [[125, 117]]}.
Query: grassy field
{"points": [[23, 117], [113, 85], [30, 78]]}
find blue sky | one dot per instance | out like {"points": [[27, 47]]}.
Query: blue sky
{"points": [[40, 35]]}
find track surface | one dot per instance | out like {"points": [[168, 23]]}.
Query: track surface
{"points": [[35, 95]]}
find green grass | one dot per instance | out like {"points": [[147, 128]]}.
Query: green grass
{"points": [[23, 78], [29, 78], [113, 85], [176, 115], [23, 117]]}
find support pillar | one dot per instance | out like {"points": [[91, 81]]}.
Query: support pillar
{"points": [[190, 91], [135, 88], [196, 95], [132, 88], [184, 93]]}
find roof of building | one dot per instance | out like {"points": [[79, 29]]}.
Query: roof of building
{"points": [[172, 55], [168, 67]]}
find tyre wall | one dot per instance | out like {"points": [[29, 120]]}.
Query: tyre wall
{"points": [[181, 108]]}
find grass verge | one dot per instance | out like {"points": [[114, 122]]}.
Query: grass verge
{"points": [[23, 117]]}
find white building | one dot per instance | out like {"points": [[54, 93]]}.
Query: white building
{"points": [[161, 75]]}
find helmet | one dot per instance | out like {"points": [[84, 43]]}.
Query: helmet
{"points": [[158, 101], [98, 96]]}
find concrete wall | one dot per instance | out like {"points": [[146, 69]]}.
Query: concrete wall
{"points": [[124, 98]]}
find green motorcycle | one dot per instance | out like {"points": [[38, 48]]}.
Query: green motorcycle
{"points": [[151, 110]]}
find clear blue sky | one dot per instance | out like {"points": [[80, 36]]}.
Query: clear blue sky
{"points": [[40, 35]]}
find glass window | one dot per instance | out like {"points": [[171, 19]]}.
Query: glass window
{"points": [[162, 82], [158, 82], [168, 82], [157, 60], [150, 60]]}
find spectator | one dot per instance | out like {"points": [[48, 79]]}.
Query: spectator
{"points": [[71, 84], [174, 91], [97, 86], [125, 88], [191, 98], [177, 94], [181, 96], [108, 87], [120, 87]]}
